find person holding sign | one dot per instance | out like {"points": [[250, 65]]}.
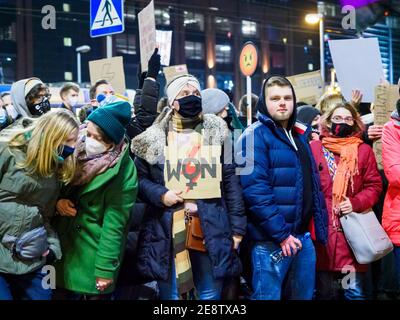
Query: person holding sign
{"points": [[282, 193], [350, 183], [181, 173]]}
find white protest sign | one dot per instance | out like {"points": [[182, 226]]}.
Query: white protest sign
{"points": [[164, 42], [358, 65], [147, 34]]}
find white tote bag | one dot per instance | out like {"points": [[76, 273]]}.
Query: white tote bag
{"points": [[366, 236]]}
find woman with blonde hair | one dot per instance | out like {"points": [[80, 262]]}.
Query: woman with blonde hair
{"points": [[328, 101], [33, 162], [351, 183]]}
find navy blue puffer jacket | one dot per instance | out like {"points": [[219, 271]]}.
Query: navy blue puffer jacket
{"points": [[273, 188]]}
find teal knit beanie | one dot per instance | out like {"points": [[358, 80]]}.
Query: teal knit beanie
{"points": [[112, 119]]}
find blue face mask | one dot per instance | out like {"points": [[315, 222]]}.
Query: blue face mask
{"points": [[66, 152], [3, 119]]}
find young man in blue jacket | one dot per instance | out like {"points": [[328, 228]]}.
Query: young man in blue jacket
{"points": [[282, 193]]}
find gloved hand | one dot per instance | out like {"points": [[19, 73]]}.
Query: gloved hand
{"points": [[141, 76], [154, 64]]}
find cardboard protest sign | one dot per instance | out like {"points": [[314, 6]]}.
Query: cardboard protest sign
{"points": [[111, 69], [307, 86], [386, 97], [147, 34], [358, 65], [173, 71], [192, 167], [164, 42]]}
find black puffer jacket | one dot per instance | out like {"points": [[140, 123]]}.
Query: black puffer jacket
{"points": [[145, 105]]}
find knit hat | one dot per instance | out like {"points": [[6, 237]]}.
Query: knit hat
{"points": [[112, 119], [214, 101], [306, 114], [176, 85]]}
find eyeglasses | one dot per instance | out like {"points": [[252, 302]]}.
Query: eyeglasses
{"points": [[42, 97], [339, 119]]}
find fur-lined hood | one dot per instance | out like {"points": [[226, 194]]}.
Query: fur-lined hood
{"points": [[150, 144]]}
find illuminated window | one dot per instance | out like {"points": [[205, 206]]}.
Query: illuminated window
{"points": [[249, 28], [66, 7], [223, 53], [67, 42], [194, 50], [68, 75], [193, 21], [162, 17]]}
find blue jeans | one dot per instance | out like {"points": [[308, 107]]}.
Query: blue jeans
{"points": [[330, 286], [293, 277], [207, 287], [23, 286]]}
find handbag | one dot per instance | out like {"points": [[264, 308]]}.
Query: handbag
{"points": [[366, 237], [30, 245], [194, 234]]}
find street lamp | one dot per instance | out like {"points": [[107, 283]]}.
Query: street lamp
{"points": [[79, 50], [314, 18]]}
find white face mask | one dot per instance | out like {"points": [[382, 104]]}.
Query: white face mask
{"points": [[94, 147], [73, 101]]}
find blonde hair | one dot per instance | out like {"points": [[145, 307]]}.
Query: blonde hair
{"points": [[41, 142], [328, 101]]}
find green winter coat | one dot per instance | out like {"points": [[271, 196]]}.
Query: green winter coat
{"points": [[93, 241], [26, 202]]}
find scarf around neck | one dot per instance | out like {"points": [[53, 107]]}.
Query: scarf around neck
{"points": [[89, 167], [347, 168], [180, 124]]}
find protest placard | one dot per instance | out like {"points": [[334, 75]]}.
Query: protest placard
{"points": [[173, 71], [386, 97], [192, 167], [111, 69], [307, 86], [358, 65], [147, 34], [164, 42]]}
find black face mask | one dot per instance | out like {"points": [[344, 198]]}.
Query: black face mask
{"points": [[341, 130], [40, 109], [190, 106]]}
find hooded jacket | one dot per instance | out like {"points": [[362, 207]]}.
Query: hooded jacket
{"points": [[272, 178], [391, 166], [18, 97]]}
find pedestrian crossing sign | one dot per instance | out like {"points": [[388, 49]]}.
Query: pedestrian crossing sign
{"points": [[106, 17]]}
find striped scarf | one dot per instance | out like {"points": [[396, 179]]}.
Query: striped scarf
{"points": [[183, 268], [180, 124], [347, 148]]}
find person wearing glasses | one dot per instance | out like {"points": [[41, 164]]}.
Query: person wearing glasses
{"points": [[30, 99], [351, 183]]}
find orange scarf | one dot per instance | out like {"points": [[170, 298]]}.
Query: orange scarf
{"points": [[347, 168]]}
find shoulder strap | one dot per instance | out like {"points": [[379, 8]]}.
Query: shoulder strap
{"points": [[330, 160]]}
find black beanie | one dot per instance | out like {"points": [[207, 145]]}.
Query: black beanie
{"points": [[306, 114]]}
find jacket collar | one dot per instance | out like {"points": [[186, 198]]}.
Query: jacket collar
{"points": [[150, 144]]}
